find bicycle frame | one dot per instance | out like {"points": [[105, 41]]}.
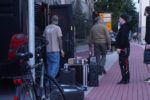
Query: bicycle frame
{"points": [[40, 92]]}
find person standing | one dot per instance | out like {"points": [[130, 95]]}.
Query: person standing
{"points": [[147, 40], [123, 48], [99, 36], [135, 37], [53, 35]]}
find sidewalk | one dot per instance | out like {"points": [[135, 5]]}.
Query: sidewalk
{"points": [[135, 90]]}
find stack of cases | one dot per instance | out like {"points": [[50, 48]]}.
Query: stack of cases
{"points": [[68, 83]]}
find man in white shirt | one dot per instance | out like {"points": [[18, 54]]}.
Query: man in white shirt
{"points": [[53, 35]]}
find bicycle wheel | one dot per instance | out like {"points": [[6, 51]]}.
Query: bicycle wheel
{"points": [[25, 92], [50, 85]]}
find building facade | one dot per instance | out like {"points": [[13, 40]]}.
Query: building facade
{"points": [[142, 18], [87, 5], [50, 2]]}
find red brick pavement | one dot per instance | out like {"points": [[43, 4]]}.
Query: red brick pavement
{"points": [[135, 90]]}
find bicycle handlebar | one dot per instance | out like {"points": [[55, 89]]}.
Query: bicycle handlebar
{"points": [[44, 43], [25, 55]]}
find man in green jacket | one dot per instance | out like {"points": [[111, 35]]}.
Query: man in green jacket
{"points": [[99, 36]]}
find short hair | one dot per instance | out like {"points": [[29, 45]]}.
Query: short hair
{"points": [[97, 18], [55, 19], [147, 9]]}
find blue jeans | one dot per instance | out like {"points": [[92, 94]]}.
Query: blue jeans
{"points": [[53, 59]]}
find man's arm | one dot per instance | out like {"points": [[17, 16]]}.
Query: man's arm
{"points": [[123, 37], [59, 33], [61, 46], [148, 33], [148, 30], [108, 38], [60, 43], [90, 41]]}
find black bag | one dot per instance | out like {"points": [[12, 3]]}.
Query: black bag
{"points": [[71, 92], [93, 73], [67, 76], [79, 73]]}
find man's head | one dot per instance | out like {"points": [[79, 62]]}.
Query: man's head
{"points": [[147, 11], [55, 19], [98, 19], [123, 18]]}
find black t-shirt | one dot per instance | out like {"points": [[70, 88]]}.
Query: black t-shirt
{"points": [[147, 36], [122, 39]]}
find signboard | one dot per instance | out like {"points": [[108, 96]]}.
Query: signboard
{"points": [[106, 20]]}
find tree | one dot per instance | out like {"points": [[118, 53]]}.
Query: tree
{"points": [[130, 9], [118, 7], [81, 23]]}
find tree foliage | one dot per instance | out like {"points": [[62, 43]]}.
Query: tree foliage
{"points": [[81, 22], [78, 21], [118, 7]]}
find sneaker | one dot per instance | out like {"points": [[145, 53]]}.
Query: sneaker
{"points": [[122, 82], [147, 80]]}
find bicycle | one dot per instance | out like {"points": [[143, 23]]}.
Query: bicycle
{"points": [[27, 88]]}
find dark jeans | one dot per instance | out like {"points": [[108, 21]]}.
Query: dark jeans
{"points": [[100, 53], [124, 64], [147, 56]]}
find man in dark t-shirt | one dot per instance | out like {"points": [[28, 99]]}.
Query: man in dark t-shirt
{"points": [[123, 48], [147, 40]]}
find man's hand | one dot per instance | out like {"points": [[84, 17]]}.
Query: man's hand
{"points": [[118, 51], [62, 53], [148, 46]]}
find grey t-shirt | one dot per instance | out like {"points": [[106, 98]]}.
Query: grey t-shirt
{"points": [[51, 33]]}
